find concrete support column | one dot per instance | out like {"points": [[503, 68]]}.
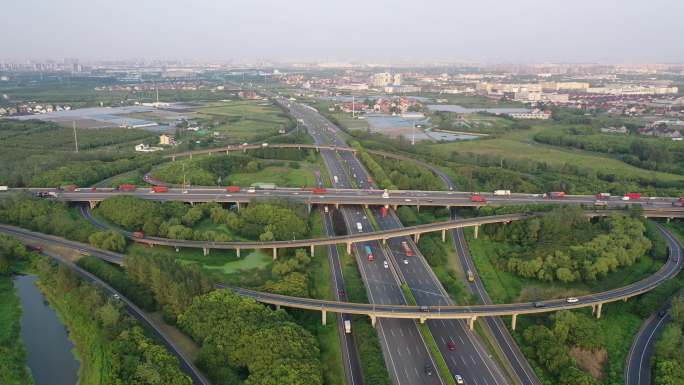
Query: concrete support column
{"points": [[227, 152], [205, 251], [384, 241], [237, 252], [277, 307], [373, 319], [625, 299], [237, 204], [349, 246], [471, 323], [177, 249], [93, 204], [173, 158], [365, 205], [416, 237], [191, 155], [422, 320], [598, 310], [514, 321], [313, 250], [668, 220], [191, 203], [275, 253], [309, 207], [395, 207], [477, 231], [387, 206], [324, 317], [418, 208], [337, 206], [443, 235]]}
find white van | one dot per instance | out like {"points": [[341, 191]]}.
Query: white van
{"points": [[359, 227]]}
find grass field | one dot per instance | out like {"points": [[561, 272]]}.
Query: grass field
{"points": [[13, 369], [284, 175], [519, 145], [242, 121]]}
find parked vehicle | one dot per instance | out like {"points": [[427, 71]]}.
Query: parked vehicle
{"points": [[407, 250], [369, 252], [502, 192]]}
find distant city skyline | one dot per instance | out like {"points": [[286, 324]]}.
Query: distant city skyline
{"points": [[383, 32]]}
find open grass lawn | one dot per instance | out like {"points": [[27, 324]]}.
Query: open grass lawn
{"points": [[13, 369], [243, 120], [283, 176], [519, 145]]}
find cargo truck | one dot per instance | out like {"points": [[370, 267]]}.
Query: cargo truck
{"points": [[4, 188], [336, 179], [233, 189], [383, 211], [602, 195], [556, 194], [138, 234], [502, 192], [347, 326], [369, 252], [632, 196], [407, 249], [127, 187], [471, 276], [478, 198], [160, 189], [319, 190]]}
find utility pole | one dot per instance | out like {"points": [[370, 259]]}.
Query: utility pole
{"points": [[353, 111], [75, 136]]}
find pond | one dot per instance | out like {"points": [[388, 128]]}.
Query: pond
{"points": [[50, 355]]}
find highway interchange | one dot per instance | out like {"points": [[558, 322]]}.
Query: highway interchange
{"points": [[405, 352]]}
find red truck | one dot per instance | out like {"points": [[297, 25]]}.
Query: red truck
{"points": [[407, 249], [556, 195], [233, 189], [602, 195], [383, 211], [319, 190], [678, 203], [160, 189], [632, 196], [138, 234], [127, 187], [70, 188], [478, 198]]}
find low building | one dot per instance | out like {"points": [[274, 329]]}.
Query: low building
{"points": [[615, 130], [531, 115], [146, 148], [402, 89], [166, 140]]}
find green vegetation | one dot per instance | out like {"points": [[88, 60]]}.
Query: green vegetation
{"points": [[108, 240], [119, 280], [669, 369], [238, 335], [643, 152], [429, 339], [112, 347], [35, 153], [284, 167], [562, 245], [473, 101], [45, 216], [405, 175], [13, 369]]}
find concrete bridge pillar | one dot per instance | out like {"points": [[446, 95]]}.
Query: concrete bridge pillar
{"points": [[191, 203], [313, 250], [373, 319], [418, 208], [477, 231], [191, 155], [386, 206], [349, 246], [598, 310], [237, 252], [668, 220], [177, 249], [471, 323], [237, 204], [514, 321], [416, 237], [277, 307], [309, 207], [324, 317], [384, 241], [93, 204], [337, 206], [422, 320], [275, 253], [443, 235], [205, 251], [173, 158], [394, 207], [365, 205]]}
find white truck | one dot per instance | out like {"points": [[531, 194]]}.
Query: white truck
{"points": [[502, 192], [347, 326], [4, 188], [359, 227], [336, 179]]}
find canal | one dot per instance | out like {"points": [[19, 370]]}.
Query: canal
{"points": [[50, 355]]}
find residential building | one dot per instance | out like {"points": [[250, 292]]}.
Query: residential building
{"points": [[381, 79], [614, 130], [535, 115], [166, 140], [146, 148]]}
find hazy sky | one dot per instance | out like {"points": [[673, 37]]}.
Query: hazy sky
{"points": [[375, 31]]}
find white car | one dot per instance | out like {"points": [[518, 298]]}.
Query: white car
{"points": [[405, 261], [571, 300], [385, 194], [251, 190], [385, 264], [407, 200], [459, 379], [228, 195]]}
